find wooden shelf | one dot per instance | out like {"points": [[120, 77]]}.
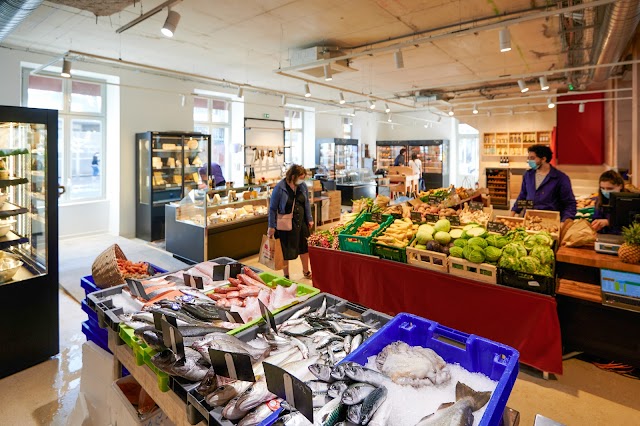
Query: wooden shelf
{"points": [[579, 290], [589, 257], [9, 209]]}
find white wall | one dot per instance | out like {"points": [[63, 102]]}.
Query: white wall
{"points": [[541, 121], [411, 127]]}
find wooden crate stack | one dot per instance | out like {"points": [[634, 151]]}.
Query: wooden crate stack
{"points": [[335, 205]]}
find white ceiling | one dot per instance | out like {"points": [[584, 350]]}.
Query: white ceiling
{"points": [[246, 41]]}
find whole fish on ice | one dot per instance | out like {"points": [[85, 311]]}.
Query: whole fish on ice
{"points": [[412, 365], [459, 413]]}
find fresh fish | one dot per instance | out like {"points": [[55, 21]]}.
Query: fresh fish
{"points": [[371, 403], [459, 413], [321, 400], [318, 386], [255, 395], [152, 337], [322, 372], [412, 365], [338, 372], [300, 313], [357, 341], [330, 414], [300, 369], [336, 389], [358, 373], [347, 343], [355, 322], [226, 393], [291, 323], [189, 368], [195, 331], [382, 415], [148, 318], [178, 315], [277, 358], [228, 343], [352, 331], [327, 340], [304, 350], [347, 423], [323, 308], [295, 418], [356, 393], [354, 413], [260, 413], [232, 412], [201, 311], [208, 384]]}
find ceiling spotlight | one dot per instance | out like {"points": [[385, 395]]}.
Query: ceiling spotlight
{"points": [[240, 92], [397, 56], [439, 118], [170, 25], [488, 113], [66, 69], [523, 86], [307, 92], [342, 101], [389, 118], [386, 108], [372, 104], [284, 99], [550, 103], [353, 114], [505, 40], [511, 112], [475, 109], [327, 73], [451, 113], [544, 84], [581, 107]]}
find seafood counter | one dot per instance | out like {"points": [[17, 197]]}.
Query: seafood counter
{"points": [[329, 344]]}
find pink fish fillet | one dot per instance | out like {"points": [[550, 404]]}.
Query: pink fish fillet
{"points": [[206, 268], [206, 279], [250, 311], [284, 296]]}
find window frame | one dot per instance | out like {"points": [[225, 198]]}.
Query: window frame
{"points": [[290, 131], [210, 125], [67, 116]]}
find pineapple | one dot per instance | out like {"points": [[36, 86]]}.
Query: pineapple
{"points": [[630, 251]]}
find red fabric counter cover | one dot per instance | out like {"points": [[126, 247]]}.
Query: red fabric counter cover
{"points": [[526, 321]]}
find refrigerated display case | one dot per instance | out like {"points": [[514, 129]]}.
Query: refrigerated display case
{"points": [[168, 165], [206, 223], [387, 151], [356, 184], [498, 185], [434, 155], [337, 155], [28, 237]]}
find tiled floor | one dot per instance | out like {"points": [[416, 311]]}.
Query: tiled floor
{"points": [[46, 394]]}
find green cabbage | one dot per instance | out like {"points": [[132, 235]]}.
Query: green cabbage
{"points": [[477, 232], [455, 233], [460, 242], [424, 234], [443, 225], [544, 239], [544, 254], [529, 264], [476, 255], [492, 240], [478, 241], [442, 237], [456, 251], [493, 253], [508, 262], [502, 241], [518, 234], [516, 250], [546, 270]]}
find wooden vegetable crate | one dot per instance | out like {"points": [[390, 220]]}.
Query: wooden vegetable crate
{"points": [[427, 259], [488, 211], [473, 271], [549, 218]]}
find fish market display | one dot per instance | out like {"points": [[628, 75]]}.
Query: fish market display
{"points": [[412, 365], [459, 413]]}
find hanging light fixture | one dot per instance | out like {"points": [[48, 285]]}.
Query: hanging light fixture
{"points": [[327, 73], [439, 118], [550, 103], [389, 118], [581, 107], [451, 113], [284, 100], [240, 93], [475, 109], [523, 86], [372, 104], [66, 69], [511, 112], [397, 56], [342, 101], [386, 108], [171, 23], [544, 84], [307, 92], [505, 40], [488, 113]]}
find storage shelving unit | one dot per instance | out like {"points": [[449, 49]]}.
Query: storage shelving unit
{"points": [[512, 144], [498, 185]]}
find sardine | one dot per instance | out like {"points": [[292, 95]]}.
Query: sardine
{"points": [[253, 396], [323, 308], [459, 413], [382, 415], [322, 372], [336, 389], [371, 403], [357, 341], [356, 393], [226, 393], [338, 372], [347, 343], [360, 374], [330, 414], [304, 350], [299, 313]]}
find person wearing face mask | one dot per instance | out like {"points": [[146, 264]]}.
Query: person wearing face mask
{"points": [[291, 194], [610, 181], [546, 186]]}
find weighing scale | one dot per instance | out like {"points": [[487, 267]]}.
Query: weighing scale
{"points": [[608, 244]]}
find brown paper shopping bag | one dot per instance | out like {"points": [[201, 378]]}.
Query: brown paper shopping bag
{"points": [[271, 253]]}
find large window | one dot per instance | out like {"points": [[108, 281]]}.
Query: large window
{"points": [[81, 130], [347, 127], [294, 134], [213, 117]]}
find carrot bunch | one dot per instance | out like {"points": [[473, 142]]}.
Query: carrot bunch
{"points": [[131, 269]]}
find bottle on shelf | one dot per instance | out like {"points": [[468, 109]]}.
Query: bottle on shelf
{"points": [[246, 177], [252, 177]]}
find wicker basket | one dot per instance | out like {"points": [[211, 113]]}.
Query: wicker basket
{"points": [[105, 269]]}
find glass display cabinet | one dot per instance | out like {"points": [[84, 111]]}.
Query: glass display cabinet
{"points": [[337, 155], [434, 155], [169, 165], [28, 237], [387, 151], [355, 184], [205, 224]]}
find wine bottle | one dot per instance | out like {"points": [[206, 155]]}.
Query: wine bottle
{"points": [[252, 176], [246, 178]]}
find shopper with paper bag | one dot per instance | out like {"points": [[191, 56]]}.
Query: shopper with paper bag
{"points": [[271, 253]]}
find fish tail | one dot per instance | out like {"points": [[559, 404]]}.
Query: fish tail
{"points": [[479, 398]]}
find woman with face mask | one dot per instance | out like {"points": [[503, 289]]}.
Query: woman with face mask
{"points": [[291, 195], [546, 186], [610, 181]]}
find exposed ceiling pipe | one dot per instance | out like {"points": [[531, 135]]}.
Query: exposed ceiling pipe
{"points": [[13, 12], [621, 21]]}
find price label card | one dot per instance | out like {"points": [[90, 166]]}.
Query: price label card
{"points": [[524, 204], [433, 200], [172, 338], [220, 272], [293, 390], [376, 217], [268, 316], [416, 217], [193, 282], [396, 215], [234, 269], [498, 227], [234, 365], [431, 217], [454, 220], [476, 205]]}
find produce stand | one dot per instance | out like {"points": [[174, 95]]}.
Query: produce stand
{"points": [[466, 305]]}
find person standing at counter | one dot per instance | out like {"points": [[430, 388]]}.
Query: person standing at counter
{"points": [[399, 161], [546, 186], [416, 166], [291, 195], [610, 181], [215, 171]]}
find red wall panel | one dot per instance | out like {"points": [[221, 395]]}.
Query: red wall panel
{"points": [[580, 136]]}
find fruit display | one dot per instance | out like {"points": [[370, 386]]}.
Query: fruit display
{"points": [[528, 253], [629, 252], [438, 193], [586, 202], [399, 234]]}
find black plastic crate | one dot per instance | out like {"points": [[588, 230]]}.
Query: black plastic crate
{"points": [[525, 281]]}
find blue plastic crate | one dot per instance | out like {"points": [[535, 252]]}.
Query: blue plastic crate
{"points": [[476, 354], [87, 310], [89, 286], [93, 335]]}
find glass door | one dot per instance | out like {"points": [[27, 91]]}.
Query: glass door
{"points": [[166, 163]]}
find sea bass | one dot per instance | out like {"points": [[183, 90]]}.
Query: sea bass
{"points": [[190, 368], [459, 413]]}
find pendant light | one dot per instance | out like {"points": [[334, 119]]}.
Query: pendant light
{"points": [[342, 101], [307, 92], [240, 93], [505, 40], [66, 69], [544, 84], [581, 107], [170, 25], [451, 113], [523, 86], [372, 104], [550, 103], [386, 108], [327, 73], [397, 56], [475, 109]]}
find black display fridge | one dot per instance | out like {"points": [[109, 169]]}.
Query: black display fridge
{"points": [[169, 165], [337, 155], [28, 237], [387, 151], [434, 155]]}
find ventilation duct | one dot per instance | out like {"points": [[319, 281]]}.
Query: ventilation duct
{"points": [[301, 57], [13, 12]]}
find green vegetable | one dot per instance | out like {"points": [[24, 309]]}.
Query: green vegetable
{"points": [[476, 232], [443, 225], [455, 233], [544, 238], [544, 254], [421, 247], [518, 234], [470, 226], [492, 240], [424, 234], [508, 262], [493, 253], [461, 242], [516, 250], [478, 241], [474, 254], [442, 237], [456, 252], [529, 264], [546, 270], [502, 241]]}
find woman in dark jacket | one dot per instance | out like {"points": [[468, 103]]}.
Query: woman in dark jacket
{"points": [[294, 242], [610, 181]]}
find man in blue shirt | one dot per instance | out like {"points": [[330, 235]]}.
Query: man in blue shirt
{"points": [[215, 171], [546, 186], [399, 161]]}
